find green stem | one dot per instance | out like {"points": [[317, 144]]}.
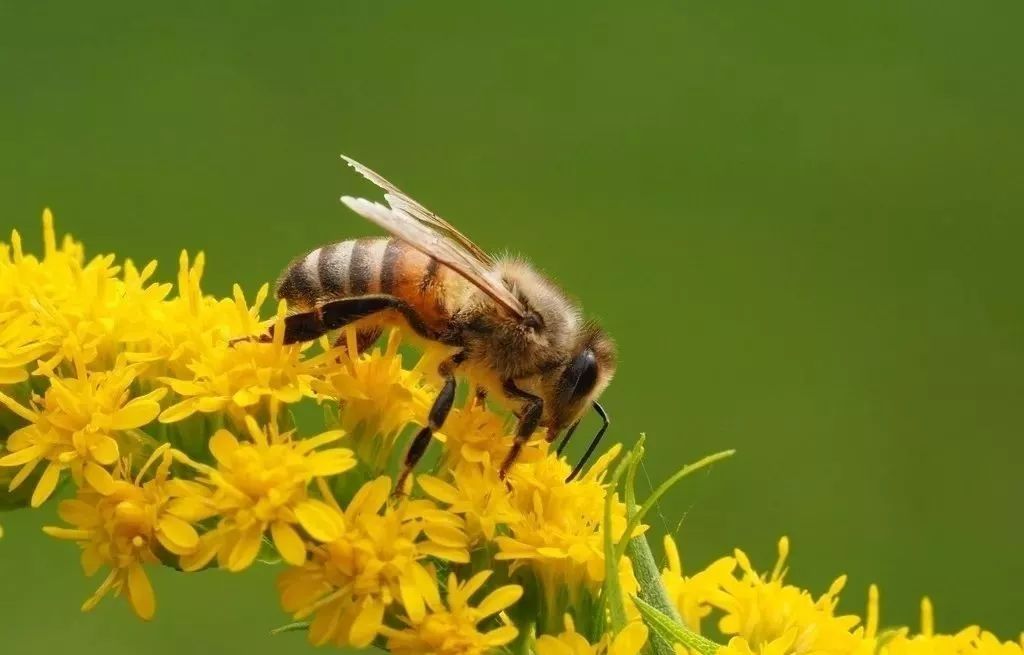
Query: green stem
{"points": [[652, 500], [612, 593], [652, 590], [629, 491], [526, 637], [290, 627]]}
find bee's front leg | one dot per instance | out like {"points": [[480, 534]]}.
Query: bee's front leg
{"points": [[435, 419], [480, 396], [529, 418]]}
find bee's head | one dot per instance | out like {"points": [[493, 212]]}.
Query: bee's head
{"points": [[584, 377]]}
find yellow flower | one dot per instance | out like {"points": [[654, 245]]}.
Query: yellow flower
{"points": [[692, 594], [767, 613], [260, 486], [969, 641], [125, 527], [19, 345], [560, 530], [476, 494], [782, 645], [627, 642], [452, 627], [376, 560], [233, 379], [377, 397], [69, 310], [193, 326], [74, 425], [476, 434]]}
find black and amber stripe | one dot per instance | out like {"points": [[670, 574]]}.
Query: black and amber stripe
{"points": [[366, 266]]}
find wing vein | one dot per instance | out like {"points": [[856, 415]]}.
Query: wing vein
{"points": [[409, 221]]}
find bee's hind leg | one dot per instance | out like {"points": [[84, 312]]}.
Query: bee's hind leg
{"points": [[339, 313], [435, 419], [529, 419], [365, 338]]}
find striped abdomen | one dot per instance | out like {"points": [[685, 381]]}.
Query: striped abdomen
{"points": [[359, 267]]}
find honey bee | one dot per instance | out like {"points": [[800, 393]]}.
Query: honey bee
{"points": [[512, 331]]}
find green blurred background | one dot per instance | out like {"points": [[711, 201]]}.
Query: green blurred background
{"points": [[801, 221]]}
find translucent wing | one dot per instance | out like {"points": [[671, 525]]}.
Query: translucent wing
{"points": [[405, 219], [399, 201]]}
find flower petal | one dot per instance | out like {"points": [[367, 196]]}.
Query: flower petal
{"points": [[22, 474], [438, 489], [288, 543], [23, 456], [209, 544], [104, 450], [78, 512], [412, 599], [499, 599], [457, 555], [18, 408], [99, 478], [320, 520], [325, 624], [140, 592], [190, 509], [366, 624], [246, 549], [331, 462], [135, 414], [427, 585], [179, 411], [177, 535], [47, 483], [630, 640], [12, 375], [321, 439], [370, 497], [71, 534], [505, 634], [222, 445], [446, 535]]}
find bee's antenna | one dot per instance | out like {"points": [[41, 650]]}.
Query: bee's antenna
{"points": [[593, 444], [565, 440]]}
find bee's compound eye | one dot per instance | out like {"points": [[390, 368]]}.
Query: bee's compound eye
{"points": [[532, 321], [588, 374], [579, 377]]}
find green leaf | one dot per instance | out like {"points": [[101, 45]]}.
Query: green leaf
{"points": [[672, 632]]}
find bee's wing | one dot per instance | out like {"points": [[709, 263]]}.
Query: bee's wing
{"points": [[434, 244], [399, 201]]}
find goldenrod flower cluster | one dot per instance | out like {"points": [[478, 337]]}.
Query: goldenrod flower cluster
{"points": [[178, 440], [760, 614], [171, 438]]}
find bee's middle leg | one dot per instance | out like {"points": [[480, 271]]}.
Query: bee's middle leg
{"points": [[529, 419], [435, 419]]}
